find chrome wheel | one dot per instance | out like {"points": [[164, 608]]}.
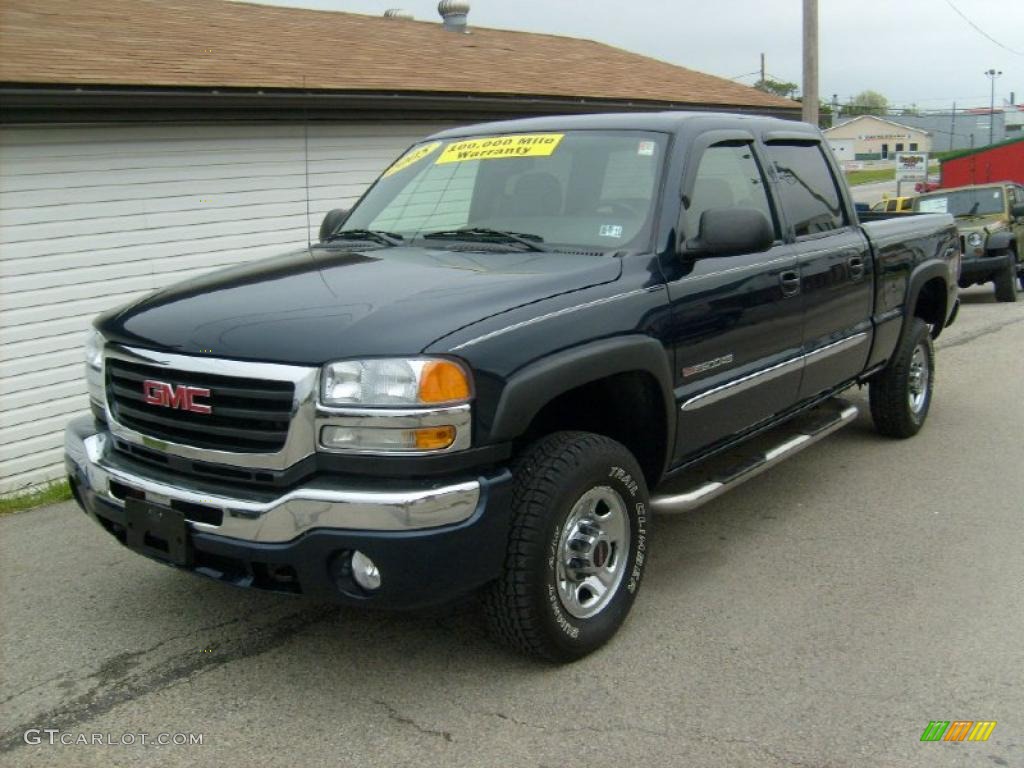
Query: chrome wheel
{"points": [[592, 552], [917, 389]]}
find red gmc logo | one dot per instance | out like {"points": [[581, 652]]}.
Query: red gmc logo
{"points": [[182, 397]]}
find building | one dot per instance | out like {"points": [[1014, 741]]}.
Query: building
{"points": [[869, 137], [963, 129], [999, 162], [143, 142]]}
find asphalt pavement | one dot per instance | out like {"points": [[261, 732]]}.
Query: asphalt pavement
{"points": [[872, 193], [820, 615]]}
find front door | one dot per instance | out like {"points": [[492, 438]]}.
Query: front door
{"points": [[735, 321]]}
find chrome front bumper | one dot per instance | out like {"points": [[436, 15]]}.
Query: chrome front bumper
{"points": [[260, 516]]}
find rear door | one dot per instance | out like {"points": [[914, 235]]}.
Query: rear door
{"points": [[736, 320], [834, 257]]}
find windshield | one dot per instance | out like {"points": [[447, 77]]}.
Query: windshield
{"points": [[966, 202], [589, 189]]}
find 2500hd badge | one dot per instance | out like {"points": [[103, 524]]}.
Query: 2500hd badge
{"points": [[523, 338]]}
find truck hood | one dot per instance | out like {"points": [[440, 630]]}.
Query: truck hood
{"points": [[985, 223], [312, 306]]}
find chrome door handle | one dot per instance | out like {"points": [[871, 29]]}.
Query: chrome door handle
{"points": [[856, 265]]}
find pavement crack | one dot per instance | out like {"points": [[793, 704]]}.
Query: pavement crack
{"points": [[984, 331], [31, 688], [398, 717], [116, 683], [663, 734]]}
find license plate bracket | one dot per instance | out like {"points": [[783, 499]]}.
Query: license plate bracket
{"points": [[157, 531]]}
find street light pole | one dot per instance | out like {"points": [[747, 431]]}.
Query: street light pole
{"points": [[992, 75]]}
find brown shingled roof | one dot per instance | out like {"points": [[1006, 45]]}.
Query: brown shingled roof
{"points": [[222, 44]]}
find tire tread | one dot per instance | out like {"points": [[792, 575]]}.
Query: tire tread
{"points": [[509, 603]]}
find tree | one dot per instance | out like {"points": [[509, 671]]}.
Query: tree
{"points": [[868, 103], [776, 87]]}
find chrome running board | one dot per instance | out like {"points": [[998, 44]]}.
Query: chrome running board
{"points": [[719, 474]]}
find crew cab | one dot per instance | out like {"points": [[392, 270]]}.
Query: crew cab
{"points": [[990, 218], [524, 338]]}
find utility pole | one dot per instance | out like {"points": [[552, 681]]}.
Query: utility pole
{"points": [[762, 69], [992, 75], [810, 103]]}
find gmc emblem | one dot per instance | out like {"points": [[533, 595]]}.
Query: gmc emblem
{"points": [[182, 397]]}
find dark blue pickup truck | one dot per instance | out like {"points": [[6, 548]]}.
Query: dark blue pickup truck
{"points": [[523, 339]]}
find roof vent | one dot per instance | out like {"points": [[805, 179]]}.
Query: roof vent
{"points": [[397, 13], [454, 13]]}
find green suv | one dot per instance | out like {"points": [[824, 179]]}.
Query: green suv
{"points": [[990, 218]]}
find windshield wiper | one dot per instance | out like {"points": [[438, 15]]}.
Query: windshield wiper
{"points": [[489, 235], [386, 238]]}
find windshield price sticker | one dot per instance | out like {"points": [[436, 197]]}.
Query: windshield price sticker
{"points": [[497, 147], [412, 157], [932, 205]]}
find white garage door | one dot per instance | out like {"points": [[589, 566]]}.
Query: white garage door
{"points": [[92, 217], [843, 149]]}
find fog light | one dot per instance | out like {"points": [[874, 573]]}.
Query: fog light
{"points": [[365, 571], [385, 439]]}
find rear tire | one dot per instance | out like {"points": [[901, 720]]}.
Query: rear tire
{"points": [[1006, 283], [901, 394], [577, 547]]}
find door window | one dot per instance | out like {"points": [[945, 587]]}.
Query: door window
{"points": [[807, 189], [728, 177]]}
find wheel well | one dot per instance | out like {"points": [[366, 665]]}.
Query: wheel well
{"points": [[627, 407], [931, 305]]}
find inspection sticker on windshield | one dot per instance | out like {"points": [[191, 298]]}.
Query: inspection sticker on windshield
{"points": [[610, 230], [497, 147], [646, 149], [411, 157]]}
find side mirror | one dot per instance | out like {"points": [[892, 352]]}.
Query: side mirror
{"points": [[1017, 211], [331, 222], [732, 231]]}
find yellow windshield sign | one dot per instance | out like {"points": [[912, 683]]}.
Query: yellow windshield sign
{"points": [[497, 147], [411, 157]]}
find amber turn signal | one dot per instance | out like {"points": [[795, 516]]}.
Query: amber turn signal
{"points": [[434, 438], [443, 381]]}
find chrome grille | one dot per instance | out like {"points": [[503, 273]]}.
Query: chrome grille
{"points": [[248, 416]]}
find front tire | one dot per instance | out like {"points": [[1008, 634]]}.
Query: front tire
{"points": [[1006, 283], [901, 394], [577, 547]]}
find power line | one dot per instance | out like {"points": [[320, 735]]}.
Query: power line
{"points": [[982, 31]]}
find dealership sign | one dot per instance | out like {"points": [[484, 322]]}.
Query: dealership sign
{"points": [[911, 166]]}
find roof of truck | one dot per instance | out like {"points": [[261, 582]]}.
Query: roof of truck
{"points": [[663, 122]]}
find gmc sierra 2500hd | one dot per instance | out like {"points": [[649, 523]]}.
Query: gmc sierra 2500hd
{"points": [[523, 338]]}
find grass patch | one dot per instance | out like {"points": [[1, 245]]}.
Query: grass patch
{"points": [[37, 497], [853, 178]]}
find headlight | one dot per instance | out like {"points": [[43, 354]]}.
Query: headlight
{"points": [[975, 239], [94, 350], [394, 382]]}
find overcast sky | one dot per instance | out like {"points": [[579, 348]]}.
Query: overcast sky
{"points": [[912, 51]]}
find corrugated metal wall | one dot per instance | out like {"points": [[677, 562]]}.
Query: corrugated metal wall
{"points": [[94, 216]]}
